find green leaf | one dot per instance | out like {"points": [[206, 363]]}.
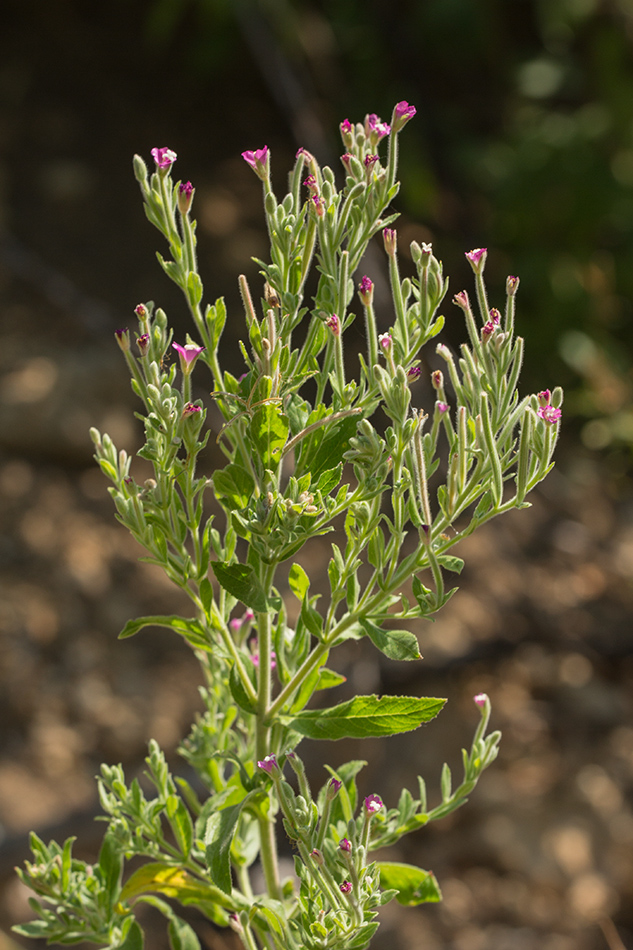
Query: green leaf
{"points": [[194, 287], [329, 479], [367, 716], [110, 867], [329, 679], [241, 581], [299, 581], [396, 644], [454, 564], [218, 839], [193, 631], [181, 935], [181, 824], [174, 882], [238, 692], [233, 487], [311, 618], [414, 885], [134, 939], [330, 451], [268, 432]]}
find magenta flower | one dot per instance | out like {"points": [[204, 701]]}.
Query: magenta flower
{"points": [[319, 205], [488, 329], [369, 161], [317, 856], [461, 300], [268, 764], [273, 659], [141, 311], [512, 285], [311, 183], [346, 128], [414, 373], [481, 699], [258, 160], [333, 789], [123, 338], [345, 845], [375, 128], [334, 324], [495, 316], [442, 407], [402, 113], [164, 157], [544, 397], [346, 887], [477, 258], [549, 414], [386, 341], [185, 196], [390, 240], [143, 343], [366, 286], [347, 160], [373, 804], [190, 409], [437, 379], [235, 624], [188, 353]]}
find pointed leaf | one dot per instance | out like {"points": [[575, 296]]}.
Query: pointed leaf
{"points": [[218, 840], [233, 487], [299, 581], [414, 885], [193, 631], [367, 716], [241, 581], [268, 431], [396, 644]]}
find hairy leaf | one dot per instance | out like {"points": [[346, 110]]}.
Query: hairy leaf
{"points": [[366, 716]]}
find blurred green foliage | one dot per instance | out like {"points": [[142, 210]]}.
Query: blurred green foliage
{"points": [[523, 143]]}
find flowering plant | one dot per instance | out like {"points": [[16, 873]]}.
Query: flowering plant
{"points": [[304, 458]]}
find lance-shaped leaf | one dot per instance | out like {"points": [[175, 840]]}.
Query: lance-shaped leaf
{"points": [[414, 886], [193, 631], [218, 839], [268, 431], [366, 716], [178, 884], [233, 487], [396, 644], [241, 582]]}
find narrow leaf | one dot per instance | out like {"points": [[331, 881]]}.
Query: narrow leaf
{"points": [[367, 716], [218, 839]]}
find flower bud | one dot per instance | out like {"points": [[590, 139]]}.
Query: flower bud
{"points": [[544, 398], [461, 300], [334, 324], [317, 857], [123, 338], [345, 845], [402, 113], [386, 341], [259, 161], [269, 764], [185, 196], [390, 240], [437, 379], [140, 169], [481, 699], [413, 374], [366, 290], [333, 789], [477, 259], [143, 344], [347, 132], [346, 887], [141, 311], [512, 285]]}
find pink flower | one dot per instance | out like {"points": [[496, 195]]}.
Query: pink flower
{"points": [[512, 285], [345, 845], [235, 624], [185, 196], [164, 157], [477, 258], [370, 160], [258, 160], [401, 115], [442, 407], [375, 128], [414, 373], [334, 324], [123, 338], [273, 659], [188, 353], [373, 804], [269, 764], [190, 409], [310, 182], [495, 316], [319, 205], [549, 414], [347, 160], [390, 240], [481, 699], [488, 329], [346, 887], [366, 285], [141, 311], [317, 856], [544, 397], [437, 379], [143, 343], [386, 341], [461, 300], [346, 128], [333, 789]]}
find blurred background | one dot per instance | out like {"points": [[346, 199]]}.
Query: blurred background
{"points": [[522, 143]]}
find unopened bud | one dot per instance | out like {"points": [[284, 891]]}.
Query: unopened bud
{"points": [[390, 240], [143, 344], [123, 338], [185, 196], [512, 285], [437, 379]]}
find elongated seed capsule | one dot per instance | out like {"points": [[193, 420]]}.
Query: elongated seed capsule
{"points": [[524, 455], [497, 477]]}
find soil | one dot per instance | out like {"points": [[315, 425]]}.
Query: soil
{"points": [[542, 855]]}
